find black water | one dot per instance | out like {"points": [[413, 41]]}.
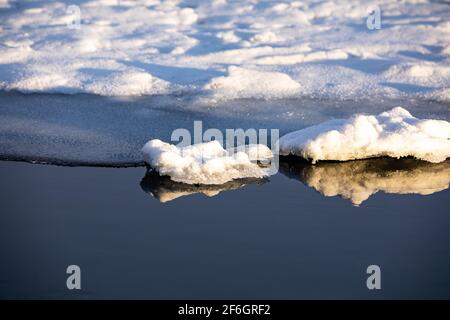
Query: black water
{"points": [[273, 239]]}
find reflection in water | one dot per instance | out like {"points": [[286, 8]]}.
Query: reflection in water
{"points": [[353, 180], [358, 180], [164, 189]]}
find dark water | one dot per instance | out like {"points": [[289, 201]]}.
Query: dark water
{"points": [[279, 238]]}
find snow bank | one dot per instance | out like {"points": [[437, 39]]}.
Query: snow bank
{"points": [[358, 180], [129, 83], [395, 133], [302, 48], [205, 163], [245, 83]]}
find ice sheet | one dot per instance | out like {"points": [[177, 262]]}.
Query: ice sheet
{"points": [[96, 130]]}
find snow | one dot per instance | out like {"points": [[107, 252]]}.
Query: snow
{"points": [[394, 133], [227, 49], [245, 83], [205, 163], [358, 180], [154, 66], [4, 4]]}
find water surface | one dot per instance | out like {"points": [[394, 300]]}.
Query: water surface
{"points": [[277, 238]]}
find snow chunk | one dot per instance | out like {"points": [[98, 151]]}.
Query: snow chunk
{"points": [[246, 83], [126, 83], [395, 133], [303, 58], [265, 37], [228, 37], [205, 163]]}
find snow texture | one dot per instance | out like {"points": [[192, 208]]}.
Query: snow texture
{"points": [[226, 49], [205, 163]]}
